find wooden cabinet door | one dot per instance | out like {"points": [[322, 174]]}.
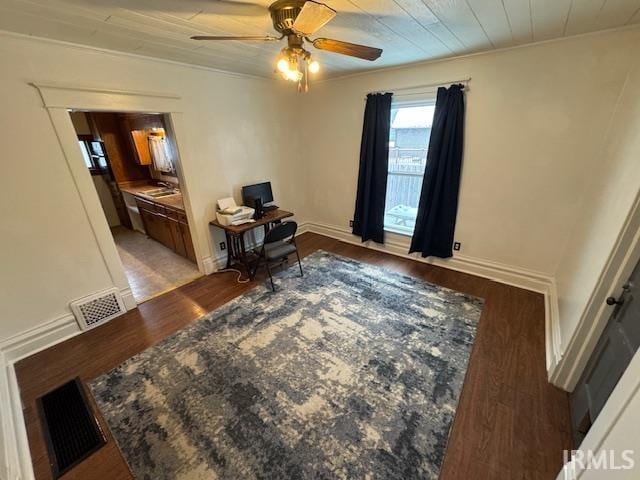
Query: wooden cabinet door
{"points": [[150, 225], [188, 242], [144, 205], [158, 228], [140, 140], [178, 239], [166, 237]]}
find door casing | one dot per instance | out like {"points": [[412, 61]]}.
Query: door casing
{"points": [[58, 100]]}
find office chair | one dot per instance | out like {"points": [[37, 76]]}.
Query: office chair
{"points": [[279, 243]]}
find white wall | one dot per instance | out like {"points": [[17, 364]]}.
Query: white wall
{"points": [[238, 131], [612, 190], [536, 119]]}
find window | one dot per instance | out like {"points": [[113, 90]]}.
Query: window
{"points": [[94, 155], [408, 144]]}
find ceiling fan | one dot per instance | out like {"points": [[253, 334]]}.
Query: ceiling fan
{"points": [[295, 20]]}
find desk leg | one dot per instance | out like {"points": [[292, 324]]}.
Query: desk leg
{"points": [[243, 256], [229, 249]]}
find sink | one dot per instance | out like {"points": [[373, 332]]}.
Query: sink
{"points": [[159, 192]]}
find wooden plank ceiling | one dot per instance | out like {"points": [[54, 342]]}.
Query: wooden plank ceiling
{"points": [[407, 30]]}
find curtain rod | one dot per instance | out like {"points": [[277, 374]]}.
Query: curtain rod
{"points": [[464, 81]]}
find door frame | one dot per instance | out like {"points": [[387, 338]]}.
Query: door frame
{"points": [[58, 100], [623, 258]]}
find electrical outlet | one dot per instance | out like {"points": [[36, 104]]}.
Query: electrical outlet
{"points": [[456, 246], [223, 246], [351, 223]]}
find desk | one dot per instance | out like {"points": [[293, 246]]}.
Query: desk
{"points": [[236, 247]]}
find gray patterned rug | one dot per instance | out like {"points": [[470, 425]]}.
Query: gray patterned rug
{"points": [[351, 372]]}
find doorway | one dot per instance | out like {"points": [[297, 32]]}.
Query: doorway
{"points": [[132, 158], [612, 355]]}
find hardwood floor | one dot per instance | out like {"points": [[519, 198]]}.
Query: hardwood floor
{"points": [[510, 423]]}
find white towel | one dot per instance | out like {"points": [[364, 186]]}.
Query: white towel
{"points": [[160, 154]]}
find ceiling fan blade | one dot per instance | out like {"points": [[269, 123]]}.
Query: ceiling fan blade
{"points": [[245, 37], [346, 48], [312, 17]]}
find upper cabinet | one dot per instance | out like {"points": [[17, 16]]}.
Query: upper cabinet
{"points": [[140, 139]]}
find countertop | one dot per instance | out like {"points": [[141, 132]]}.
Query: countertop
{"points": [[171, 201]]}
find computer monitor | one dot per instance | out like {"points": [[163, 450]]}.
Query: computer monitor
{"points": [[259, 190]]}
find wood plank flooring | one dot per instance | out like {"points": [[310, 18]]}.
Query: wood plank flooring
{"points": [[510, 423]]}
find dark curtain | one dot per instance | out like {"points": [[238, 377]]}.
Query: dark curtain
{"points": [[436, 219], [368, 218]]}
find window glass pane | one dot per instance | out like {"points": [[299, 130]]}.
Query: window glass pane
{"points": [[102, 162], [85, 154], [408, 143], [97, 148]]}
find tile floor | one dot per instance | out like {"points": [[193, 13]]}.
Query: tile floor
{"points": [[152, 269]]}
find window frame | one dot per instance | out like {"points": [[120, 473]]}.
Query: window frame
{"points": [[408, 101], [95, 168]]}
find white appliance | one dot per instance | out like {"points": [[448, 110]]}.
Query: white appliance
{"points": [[134, 213], [231, 214]]}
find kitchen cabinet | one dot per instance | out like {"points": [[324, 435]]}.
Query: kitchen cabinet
{"points": [[188, 243], [168, 226], [141, 147], [178, 238]]}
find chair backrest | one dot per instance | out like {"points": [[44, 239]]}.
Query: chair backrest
{"points": [[280, 232]]}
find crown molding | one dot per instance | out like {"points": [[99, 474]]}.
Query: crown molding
{"points": [[106, 51], [464, 56], [319, 81]]}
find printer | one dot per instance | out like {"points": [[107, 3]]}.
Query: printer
{"points": [[229, 213]]}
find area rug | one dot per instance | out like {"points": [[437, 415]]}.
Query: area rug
{"points": [[350, 372]]}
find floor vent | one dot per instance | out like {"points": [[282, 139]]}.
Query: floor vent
{"points": [[98, 308], [71, 430]]}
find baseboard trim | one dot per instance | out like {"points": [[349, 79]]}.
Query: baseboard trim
{"points": [[209, 264], [39, 338], [303, 227], [14, 432], [128, 299], [47, 334], [553, 341], [507, 274], [9, 458]]}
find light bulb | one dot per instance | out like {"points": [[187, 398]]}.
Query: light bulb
{"points": [[293, 75], [283, 65], [314, 67]]}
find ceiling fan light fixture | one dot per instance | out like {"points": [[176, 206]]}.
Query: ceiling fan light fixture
{"points": [[314, 66], [295, 21], [293, 75], [283, 65]]}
